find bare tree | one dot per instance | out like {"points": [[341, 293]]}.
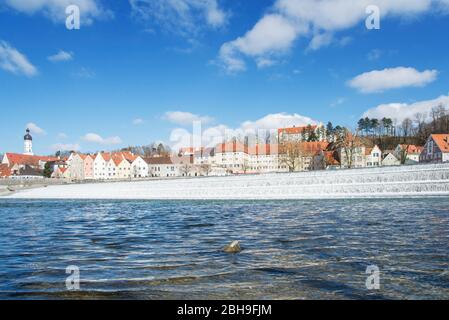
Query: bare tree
{"points": [[407, 126], [185, 169], [348, 142], [206, 169], [291, 154], [403, 153]]}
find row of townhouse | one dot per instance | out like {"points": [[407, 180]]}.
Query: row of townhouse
{"points": [[124, 166], [106, 166]]}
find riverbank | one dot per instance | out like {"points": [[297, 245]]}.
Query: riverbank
{"points": [[384, 182]]}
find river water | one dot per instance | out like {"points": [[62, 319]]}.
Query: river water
{"points": [[316, 249]]}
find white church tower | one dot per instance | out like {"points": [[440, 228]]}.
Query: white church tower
{"points": [[28, 144]]}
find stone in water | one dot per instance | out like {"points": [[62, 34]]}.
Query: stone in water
{"points": [[234, 247]]}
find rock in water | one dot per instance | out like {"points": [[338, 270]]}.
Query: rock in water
{"points": [[234, 247]]}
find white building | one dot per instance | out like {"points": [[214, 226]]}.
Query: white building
{"points": [[232, 156], [358, 157], [390, 160], [101, 166], [139, 168], [373, 157], [163, 167], [263, 158]]}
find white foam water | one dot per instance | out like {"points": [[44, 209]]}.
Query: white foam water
{"points": [[384, 182]]}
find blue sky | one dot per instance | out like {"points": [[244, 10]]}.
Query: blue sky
{"points": [[137, 70]]}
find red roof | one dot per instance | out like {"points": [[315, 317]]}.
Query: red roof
{"points": [[5, 171], [314, 147], [296, 130], [442, 140], [412, 149], [264, 149], [117, 158], [63, 170], [23, 159], [129, 156], [232, 147]]}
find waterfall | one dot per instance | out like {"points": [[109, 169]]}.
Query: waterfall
{"points": [[383, 182]]}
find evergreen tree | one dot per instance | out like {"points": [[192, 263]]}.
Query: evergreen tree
{"points": [[47, 170]]}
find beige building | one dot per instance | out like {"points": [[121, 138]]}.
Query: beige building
{"points": [[390, 160]]}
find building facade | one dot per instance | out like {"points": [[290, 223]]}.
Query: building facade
{"points": [[436, 149]]}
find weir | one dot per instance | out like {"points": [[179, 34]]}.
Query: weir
{"points": [[383, 182]]}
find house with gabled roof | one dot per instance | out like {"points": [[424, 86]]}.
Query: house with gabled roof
{"points": [[410, 152], [61, 173], [436, 149], [373, 156], [101, 161]]}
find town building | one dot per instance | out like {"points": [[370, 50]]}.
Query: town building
{"points": [[16, 162], [101, 166], [233, 156], [263, 158], [411, 153], [302, 133], [436, 149], [355, 158], [163, 167], [390, 160], [373, 156], [61, 173], [139, 168]]}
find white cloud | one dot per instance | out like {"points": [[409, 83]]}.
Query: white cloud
{"points": [[66, 147], [288, 20], [320, 40], [401, 111], [271, 36], [13, 61], [186, 118], [61, 56], [185, 17], [62, 136], [277, 120], [55, 9], [35, 129], [394, 78], [95, 138], [138, 121]]}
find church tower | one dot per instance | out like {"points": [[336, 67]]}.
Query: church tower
{"points": [[28, 143]]}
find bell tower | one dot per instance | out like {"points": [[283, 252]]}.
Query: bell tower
{"points": [[28, 144]]}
